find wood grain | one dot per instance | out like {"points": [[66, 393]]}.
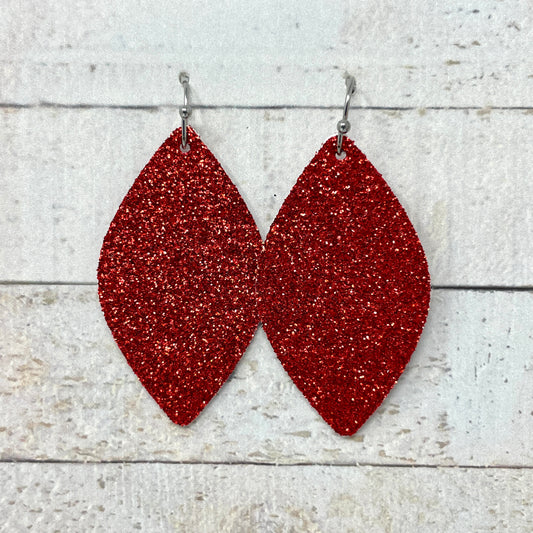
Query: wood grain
{"points": [[242, 52], [224, 499], [68, 393], [461, 175], [89, 90]]}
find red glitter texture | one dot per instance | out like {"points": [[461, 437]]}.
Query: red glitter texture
{"points": [[343, 286], [177, 277]]}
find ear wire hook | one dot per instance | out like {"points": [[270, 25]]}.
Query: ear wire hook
{"points": [[185, 110], [343, 126]]}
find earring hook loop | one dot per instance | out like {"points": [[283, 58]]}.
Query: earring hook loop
{"points": [[343, 126], [186, 109]]}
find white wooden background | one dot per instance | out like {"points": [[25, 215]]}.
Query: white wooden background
{"points": [[89, 89]]}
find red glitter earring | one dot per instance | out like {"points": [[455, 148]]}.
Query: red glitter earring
{"points": [[177, 274], [344, 284]]}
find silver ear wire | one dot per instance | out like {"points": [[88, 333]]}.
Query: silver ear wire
{"points": [[343, 126], [185, 110]]}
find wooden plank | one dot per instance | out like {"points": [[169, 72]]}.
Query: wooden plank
{"points": [[249, 53], [460, 175], [224, 498], [68, 393]]}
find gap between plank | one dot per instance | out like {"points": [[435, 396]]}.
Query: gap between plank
{"points": [[252, 463], [152, 108], [478, 288]]}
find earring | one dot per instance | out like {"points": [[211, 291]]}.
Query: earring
{"points": [[344, 284], [177, 274], [341, 286]]}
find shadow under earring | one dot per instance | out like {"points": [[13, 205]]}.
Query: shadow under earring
{"points": [[344, 284], [177, 274]]}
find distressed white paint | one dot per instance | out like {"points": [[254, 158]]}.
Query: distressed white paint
{"points": [[461, 175], [68, 393], [226, 499], [243, 52]]}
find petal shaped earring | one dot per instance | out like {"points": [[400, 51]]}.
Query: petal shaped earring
{"points": [[344, 283], [177, 274], [341, 285]]}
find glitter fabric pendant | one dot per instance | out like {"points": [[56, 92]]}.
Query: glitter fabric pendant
{"points": [[177, 276], [344, 286]]}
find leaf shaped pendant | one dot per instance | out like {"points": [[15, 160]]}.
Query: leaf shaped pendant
{"points": [[343, 287], [177, 277]]}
